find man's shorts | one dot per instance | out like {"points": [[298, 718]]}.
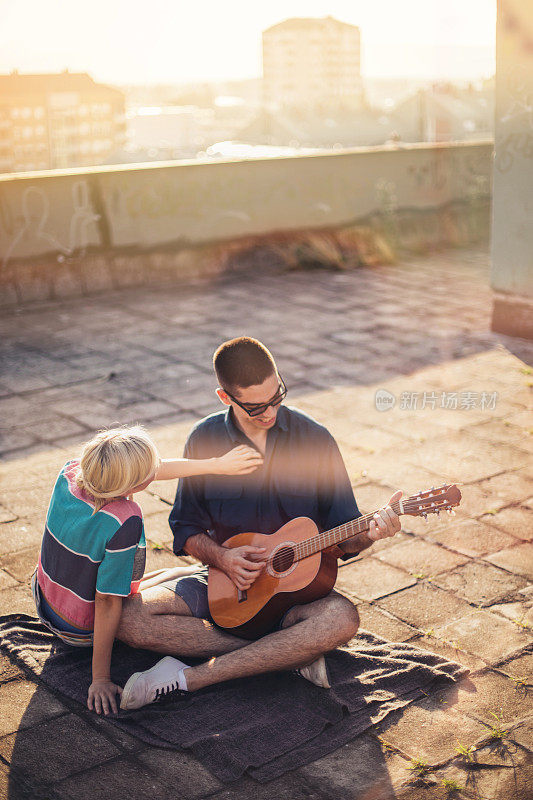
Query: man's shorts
{"points": [[193, 590]]}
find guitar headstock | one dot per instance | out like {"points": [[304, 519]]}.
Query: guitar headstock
{"points": [[433, 501]]}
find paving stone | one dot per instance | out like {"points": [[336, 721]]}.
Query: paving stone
{"points": [[181, 770], [485, 694], [387, 468], [157, 529], [19, 535], [6, 580], [421, 558], [91, 414], [523, 734], [429, 731], [446, 650], [367, 438], [166, 490], [17, 439], [499, 431], [372, 496], [384, 625], [424, 528], [373, 773], [41, 465], [519, 667], [55, 749], [485, 635], [383, 544], [150, 410], [17, 600], [471, 537], [425, 606], [475, 502], [421, 791], [369, 579], [515, 559], [515, 520], [509, 776], [119, 778], [480, 583], [510, 487], [519, 612], [27, 502], [26, 704], [6, 515], [462, 458], [22, 564], [159, 559], [151, 504], [52, 430]]}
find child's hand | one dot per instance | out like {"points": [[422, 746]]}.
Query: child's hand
{"points": [[103, 696], [239, 461]]}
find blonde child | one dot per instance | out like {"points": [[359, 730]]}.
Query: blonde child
{"points": [[93, 551]]}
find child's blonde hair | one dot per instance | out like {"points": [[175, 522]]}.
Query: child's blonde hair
{"points": [[115, 461]]}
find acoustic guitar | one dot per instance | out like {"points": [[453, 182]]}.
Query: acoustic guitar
{"points": [[301, 565]]}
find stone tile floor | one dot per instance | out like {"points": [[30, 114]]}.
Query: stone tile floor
{"points": [[457, 586]]}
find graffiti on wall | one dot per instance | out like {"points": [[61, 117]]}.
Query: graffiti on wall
{"points": [[33, 222]]}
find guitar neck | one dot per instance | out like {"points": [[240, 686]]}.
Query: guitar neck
{"points": [[337, 535]]}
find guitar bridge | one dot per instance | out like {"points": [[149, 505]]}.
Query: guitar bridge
{"points": [[241, 596]]}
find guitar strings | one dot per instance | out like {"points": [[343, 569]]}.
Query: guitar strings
{"points": [[316, 543]]}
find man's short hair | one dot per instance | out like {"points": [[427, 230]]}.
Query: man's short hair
{"points": [[242, 362]]}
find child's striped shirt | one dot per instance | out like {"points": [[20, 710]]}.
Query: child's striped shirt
{"points": [[82, 552]]}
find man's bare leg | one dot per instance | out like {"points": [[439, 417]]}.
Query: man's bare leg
{"points": [[309, 631], [160, 620]]}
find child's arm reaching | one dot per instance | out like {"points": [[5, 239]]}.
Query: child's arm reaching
{"points": [[102, 691], [239, 461]]}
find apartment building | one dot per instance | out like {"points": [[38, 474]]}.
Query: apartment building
{"points": [[312, 64], [53, 121]]}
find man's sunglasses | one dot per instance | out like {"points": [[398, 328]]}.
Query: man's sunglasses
{"points": [[260, 408]]}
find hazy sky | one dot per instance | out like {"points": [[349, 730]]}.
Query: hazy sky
{"points": [[126, 41]]}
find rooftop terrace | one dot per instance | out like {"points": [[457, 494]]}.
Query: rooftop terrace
{"points": [[458, 586]]}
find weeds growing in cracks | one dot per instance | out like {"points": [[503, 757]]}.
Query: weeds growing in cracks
{"points": [[466, 752]]}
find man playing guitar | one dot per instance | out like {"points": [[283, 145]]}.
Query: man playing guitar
{"points": [[302, 475]]}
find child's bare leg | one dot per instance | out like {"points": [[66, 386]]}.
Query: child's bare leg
{"points": [[160, 575]]}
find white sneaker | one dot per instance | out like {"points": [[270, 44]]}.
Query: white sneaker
{"points": [[316, 672], [148, 686]]}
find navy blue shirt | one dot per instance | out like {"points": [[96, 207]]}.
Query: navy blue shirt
{"points": [[303, 475]]}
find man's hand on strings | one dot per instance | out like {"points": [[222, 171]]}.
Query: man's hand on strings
{"points": [[243, 564]]}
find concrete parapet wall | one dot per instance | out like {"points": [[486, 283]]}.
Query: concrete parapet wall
{"points": [[71, 232]]}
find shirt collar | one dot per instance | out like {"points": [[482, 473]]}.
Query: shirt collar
{"points": [[236, 435]]}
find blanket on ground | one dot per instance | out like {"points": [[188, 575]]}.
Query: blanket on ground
{"points": [[262, 726]]}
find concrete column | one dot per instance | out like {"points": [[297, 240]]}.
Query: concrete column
{"points": [[512, 221]]}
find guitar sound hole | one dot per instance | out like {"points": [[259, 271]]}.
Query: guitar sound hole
{"points": [[283, 559]]}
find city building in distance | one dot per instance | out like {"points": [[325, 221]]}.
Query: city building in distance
{"points": [[51, 121], [312, 64]]}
